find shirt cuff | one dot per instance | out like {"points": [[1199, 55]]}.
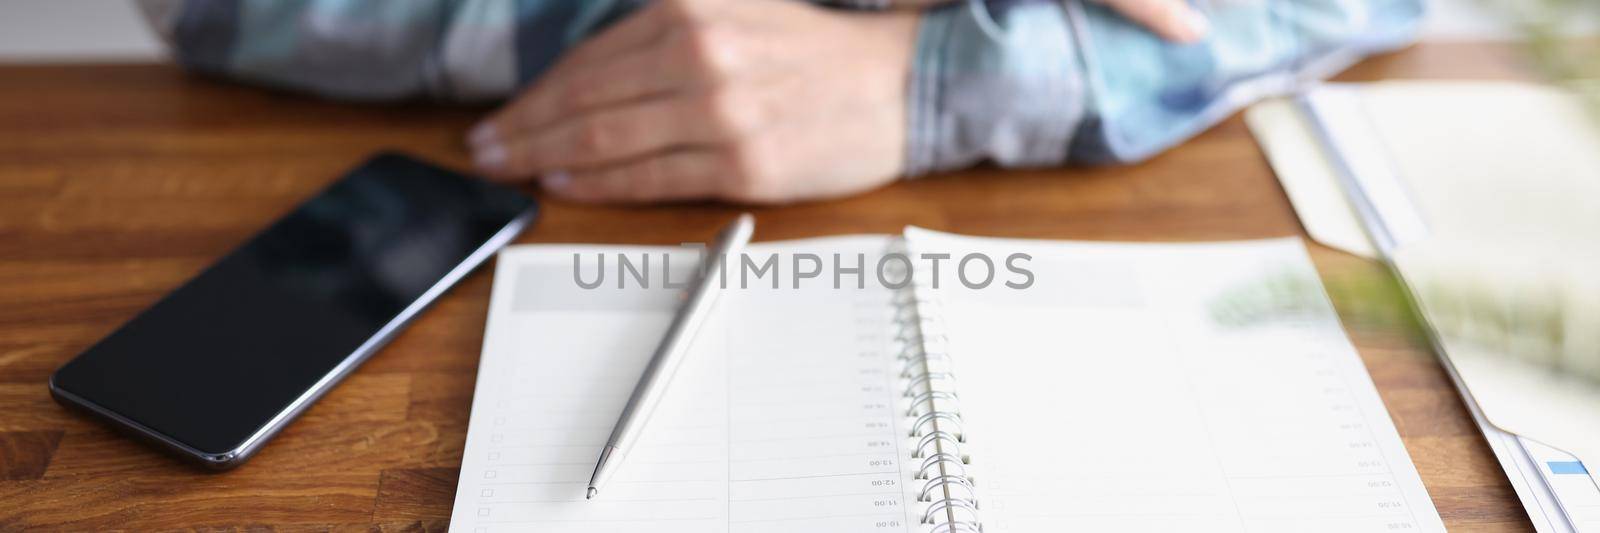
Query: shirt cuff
{"points": [[996, 81]]}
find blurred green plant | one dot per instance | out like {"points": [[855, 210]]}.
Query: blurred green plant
{"points": [[1524, 323], [1545, 321], [1369, 302], [1554, 41], [1541, 310]]}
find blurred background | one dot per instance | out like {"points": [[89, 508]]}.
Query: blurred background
{"points": [[75, 30]]}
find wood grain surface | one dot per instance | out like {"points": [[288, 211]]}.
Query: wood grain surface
{"points": [[117, 183]]}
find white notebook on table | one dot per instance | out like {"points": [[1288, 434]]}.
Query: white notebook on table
{"points": [[1106, 396]]}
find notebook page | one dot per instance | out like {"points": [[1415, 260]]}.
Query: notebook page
{"points": [[781, 419], [1106, 398]]}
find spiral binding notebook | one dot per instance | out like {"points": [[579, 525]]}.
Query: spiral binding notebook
{"points": [[1111, 394]]}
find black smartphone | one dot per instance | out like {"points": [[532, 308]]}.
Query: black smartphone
{"points": [[220, 365]]}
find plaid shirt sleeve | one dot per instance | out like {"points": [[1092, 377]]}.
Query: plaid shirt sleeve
{"points": [[1043, 83], [380, 49]]}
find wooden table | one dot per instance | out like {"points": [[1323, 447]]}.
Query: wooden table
{"points": [[117, 183]]}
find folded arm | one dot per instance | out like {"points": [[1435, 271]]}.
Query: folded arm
{"points": [[1015, 82]]}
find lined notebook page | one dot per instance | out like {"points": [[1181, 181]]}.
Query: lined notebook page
{"points": [[1106, 398], [782, 419]]}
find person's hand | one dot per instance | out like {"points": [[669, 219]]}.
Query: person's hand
{"points": [[1173, 20], [741, 100]]}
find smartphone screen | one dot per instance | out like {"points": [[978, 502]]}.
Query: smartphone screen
{"points": [[221, 363]]}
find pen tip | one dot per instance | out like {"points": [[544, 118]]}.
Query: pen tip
{"points": [[592, 491]]}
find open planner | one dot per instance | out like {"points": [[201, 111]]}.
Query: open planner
{"points": [[1112, 393]]}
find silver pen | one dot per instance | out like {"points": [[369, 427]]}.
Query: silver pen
{"points": [[674, 346]]}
